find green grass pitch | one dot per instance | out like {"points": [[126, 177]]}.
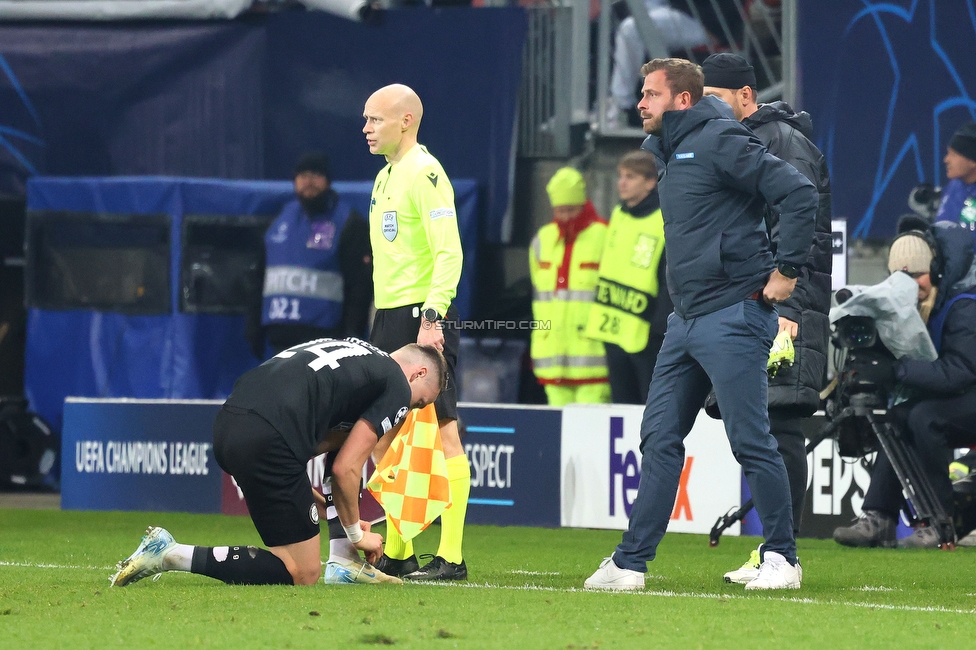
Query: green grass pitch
{"points": [[525, 591]]}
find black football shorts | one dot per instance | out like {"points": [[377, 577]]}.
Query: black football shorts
{"points": [[274, 482]]}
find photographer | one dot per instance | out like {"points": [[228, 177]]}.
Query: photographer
{"points": [[942, 412]]}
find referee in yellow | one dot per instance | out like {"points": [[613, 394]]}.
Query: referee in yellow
{"points": [[416, 268]]}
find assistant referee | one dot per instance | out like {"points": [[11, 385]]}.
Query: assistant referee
{"points": [[417, 262]]}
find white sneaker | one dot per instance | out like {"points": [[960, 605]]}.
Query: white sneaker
{"points": [[776, 573], [147, 560], [610, 576], [968, 540], [747, 572], [346, 572]]}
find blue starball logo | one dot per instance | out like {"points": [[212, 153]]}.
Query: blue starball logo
{"points": [[20, 130]]}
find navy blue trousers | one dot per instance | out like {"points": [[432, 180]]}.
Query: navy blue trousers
{"points": [[727, 349]]}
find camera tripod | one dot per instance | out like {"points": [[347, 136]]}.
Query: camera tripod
{"points": [[923, 506]]}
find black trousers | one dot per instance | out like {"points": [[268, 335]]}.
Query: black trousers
{"points": [[934, 427], [788, 432], [630, 374]]}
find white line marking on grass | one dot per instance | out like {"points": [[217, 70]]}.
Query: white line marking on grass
{"points": [[572, 590], [522, 572], [868, 588], [693, 594], [35, 565]]}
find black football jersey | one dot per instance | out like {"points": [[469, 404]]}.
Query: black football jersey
{"points": [[312, 388]]}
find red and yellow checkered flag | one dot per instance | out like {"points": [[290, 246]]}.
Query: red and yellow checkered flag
{"points": [[410, 481]]}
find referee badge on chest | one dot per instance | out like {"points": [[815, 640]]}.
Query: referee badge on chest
{"points": [[390, 226]]}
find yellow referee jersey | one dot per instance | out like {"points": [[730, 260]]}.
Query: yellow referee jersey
{"points": [[414, 233]]}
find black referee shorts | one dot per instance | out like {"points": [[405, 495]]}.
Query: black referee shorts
{"points": [[274, 482], [394, 328]]}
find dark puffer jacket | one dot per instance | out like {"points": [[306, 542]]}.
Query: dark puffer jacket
{"points": [[795, 391]]}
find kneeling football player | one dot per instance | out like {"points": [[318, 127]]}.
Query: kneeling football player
{"points": [[326, 395]]}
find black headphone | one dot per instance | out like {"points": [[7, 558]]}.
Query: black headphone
{"points": [[924, 200], [915, 226]]}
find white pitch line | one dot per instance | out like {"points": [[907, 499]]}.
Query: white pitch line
{"points": [[692, 594], [34, 565], [522, 572], [572, 590]]}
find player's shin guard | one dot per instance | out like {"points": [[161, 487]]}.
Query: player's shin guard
{"points": [[452, 519], [240, 565]]}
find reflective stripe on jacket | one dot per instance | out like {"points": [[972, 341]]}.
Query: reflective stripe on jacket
{"points": [[564, 272], [628, 286], [302, 280]]}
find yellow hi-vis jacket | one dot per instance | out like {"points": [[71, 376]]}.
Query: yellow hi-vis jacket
{"points": [[627, 288], [563, 263]]}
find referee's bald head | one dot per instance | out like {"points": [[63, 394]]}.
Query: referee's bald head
{"points": [[400, 100]]}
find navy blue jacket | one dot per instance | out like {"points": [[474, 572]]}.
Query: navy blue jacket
{"points": [[716, 179]]}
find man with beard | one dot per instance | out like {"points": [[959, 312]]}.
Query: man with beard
{"points": [[716, 180], [318, 266]]}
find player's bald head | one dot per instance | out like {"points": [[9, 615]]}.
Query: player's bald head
{"points": [[397, 100]]}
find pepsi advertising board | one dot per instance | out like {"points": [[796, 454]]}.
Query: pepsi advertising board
{"points": [[514, 457]]}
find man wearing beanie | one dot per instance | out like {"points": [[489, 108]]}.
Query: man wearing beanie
{"points": [[959, 195], [939, 414], [318, 266], [716, 179], [564, 262], [794, 392]]}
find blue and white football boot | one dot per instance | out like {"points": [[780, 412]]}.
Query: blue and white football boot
{"points": [[147, 559]]}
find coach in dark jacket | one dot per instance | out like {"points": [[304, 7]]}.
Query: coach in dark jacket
{"points": [[716, 179], [941, 415], [794, 391]]}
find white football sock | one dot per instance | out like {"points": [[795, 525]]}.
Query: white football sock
{"points": [[179, 559]]}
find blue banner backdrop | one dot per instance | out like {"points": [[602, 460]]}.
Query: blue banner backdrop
{"points": [[465, 64], [176, 355], [96, 99], [244, 99], [887, 83]]}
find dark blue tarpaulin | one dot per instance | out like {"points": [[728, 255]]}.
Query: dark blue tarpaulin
{"points": [[243, 99], [177, 355], [130, 99], [464, 63], [887, 83]]}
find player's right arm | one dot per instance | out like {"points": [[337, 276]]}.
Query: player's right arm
{"points": [[346, 475]]}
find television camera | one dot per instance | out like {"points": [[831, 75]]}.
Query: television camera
{"points": [[856, 406]]}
